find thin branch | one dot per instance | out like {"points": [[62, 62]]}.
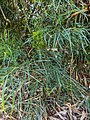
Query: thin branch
{"points": [[7, 20], [76, 13]]}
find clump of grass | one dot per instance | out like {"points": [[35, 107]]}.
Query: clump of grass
{"points": [[43, 52]]}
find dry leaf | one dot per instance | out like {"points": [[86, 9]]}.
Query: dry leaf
{"points": [[53, 118], [1, 116], [63, 113], [83, 115], [75, 118]]}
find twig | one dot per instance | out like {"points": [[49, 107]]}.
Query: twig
{"points": [[7, 20], [76, 13]]}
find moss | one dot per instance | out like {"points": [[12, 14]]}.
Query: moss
{"points": [[37, 42]]}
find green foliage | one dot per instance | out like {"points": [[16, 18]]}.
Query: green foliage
{"points": [[43, 44], [37, 41]]}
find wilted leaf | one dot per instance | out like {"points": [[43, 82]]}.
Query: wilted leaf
{"points": [[83, 115], [53, 118]]}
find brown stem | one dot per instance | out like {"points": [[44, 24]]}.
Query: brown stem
{"points": [[76, 13], [7, 20]]}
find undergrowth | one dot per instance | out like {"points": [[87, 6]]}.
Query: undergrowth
{"points": [[44, 56]]}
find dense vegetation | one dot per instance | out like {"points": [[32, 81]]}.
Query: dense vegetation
{"points": [[44, 57]]}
